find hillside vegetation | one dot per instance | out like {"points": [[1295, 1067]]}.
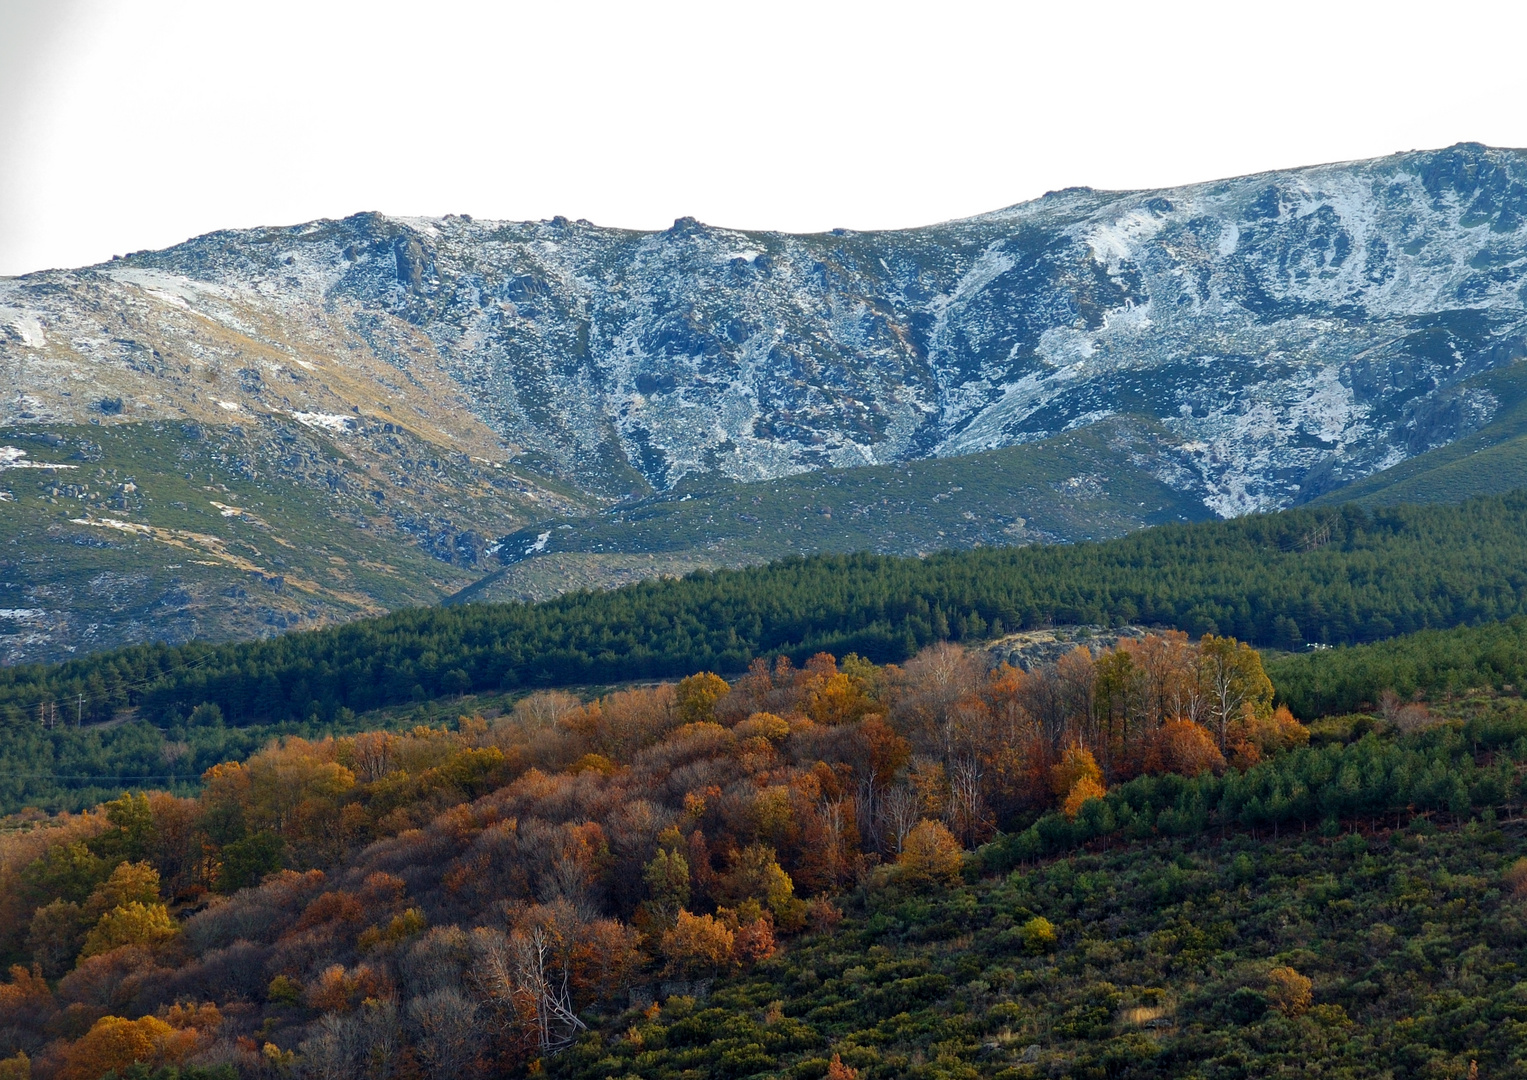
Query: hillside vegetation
{"points": [[1340, 575], [1048, 491], [830, 870], [1360, 954], [126, 533]]}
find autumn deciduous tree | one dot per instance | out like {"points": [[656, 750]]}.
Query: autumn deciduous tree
{"points": [[338, 990], [695, 697], [753, 940], [134, 923], [605, 958], [26, 1007], [1081, 792], [698, 947], [1234, 682], [1253, 735], [763, 725], [130, 882], [1077, 763], [836, 1070], [1288, 991], [55, 936], [757, 875], [112, 1044], [1182, 747], [1075, 779], [930, 855], [667, 878], [1038, 935], [833, 697]]}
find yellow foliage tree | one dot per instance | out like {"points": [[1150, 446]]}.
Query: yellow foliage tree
{"points": [[930, 854], [773, 816], [1038, 934], [135, 923], [757, 875], [1075, 779], [131, 882], [1288, 991], [837, 699], [695, 697], [403, 926], [763, 725], [16, 1068], [698, 946], [1234, 684], [1081, 792], [1077, 763], [204, 1017]]}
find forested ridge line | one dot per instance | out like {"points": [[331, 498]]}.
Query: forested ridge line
{"points": [[1430, 664], [1339, 575]]}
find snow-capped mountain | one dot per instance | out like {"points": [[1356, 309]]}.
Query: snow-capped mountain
{"points": [[1221, 348], [1290, 330]]}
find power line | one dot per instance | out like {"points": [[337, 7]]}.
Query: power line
{"points": [[137, 685], [100, 779]]}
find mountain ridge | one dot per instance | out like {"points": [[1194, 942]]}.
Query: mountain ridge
{"points": [[514, 297], [1238, 345]]}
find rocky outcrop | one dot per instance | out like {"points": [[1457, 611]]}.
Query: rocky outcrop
{"points": [[1293, 330]]}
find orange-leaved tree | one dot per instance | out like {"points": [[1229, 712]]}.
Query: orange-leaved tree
{"points": [[698, 946], [930, 855], [113, 1043]]}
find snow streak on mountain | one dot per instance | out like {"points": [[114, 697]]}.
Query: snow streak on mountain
{"points": [[1283, 333]]}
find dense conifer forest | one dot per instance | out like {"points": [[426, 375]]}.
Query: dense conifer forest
{"points": [[1321, 576]]}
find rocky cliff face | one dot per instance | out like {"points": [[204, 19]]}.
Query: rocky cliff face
{"points": [[1291, 330], [1261, 341]]}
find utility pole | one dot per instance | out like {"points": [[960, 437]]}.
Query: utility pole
{"points": [[79, 712]]}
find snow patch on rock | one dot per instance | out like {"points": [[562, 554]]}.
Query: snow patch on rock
{"points": [[340, 425]]}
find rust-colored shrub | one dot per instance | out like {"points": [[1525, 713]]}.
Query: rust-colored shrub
{"points": [[1182, 747]]}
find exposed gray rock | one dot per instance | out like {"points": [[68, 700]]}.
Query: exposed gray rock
{"points": [[1292, 330]]}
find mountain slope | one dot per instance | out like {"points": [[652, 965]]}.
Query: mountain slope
{"points": [[1082, 485], [1490, 461], [1236, 346]]}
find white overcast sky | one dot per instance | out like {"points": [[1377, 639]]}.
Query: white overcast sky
{"points": [[127, 125]]}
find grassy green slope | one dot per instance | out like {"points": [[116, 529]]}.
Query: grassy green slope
{"points": [[1083, 485], [191, 532]]}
